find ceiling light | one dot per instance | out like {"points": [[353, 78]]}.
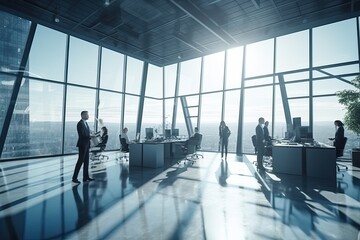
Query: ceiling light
{"points": [[56, 19], [107, 3]]}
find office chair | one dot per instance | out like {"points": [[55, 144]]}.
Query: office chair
{"points": [[340, 146], [96, 152], [193, 145], [124, 148]]}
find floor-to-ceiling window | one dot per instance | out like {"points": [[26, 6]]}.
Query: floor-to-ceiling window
{"points": [[259, 60], [152, 113], [78, 99], [134, 73]]}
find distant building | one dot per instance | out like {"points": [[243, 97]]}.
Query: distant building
{"points": [[13, 35]]}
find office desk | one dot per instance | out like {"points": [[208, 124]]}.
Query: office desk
{"points": [[136, 154], [288, 159], [321, 162], [311, 161], [152, 154]]}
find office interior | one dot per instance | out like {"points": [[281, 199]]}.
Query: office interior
{"points": [[170, 66]]}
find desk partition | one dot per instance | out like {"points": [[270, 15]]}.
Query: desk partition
{"points": [[288, 159]]}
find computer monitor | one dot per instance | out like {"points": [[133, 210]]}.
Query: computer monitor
{"points": [[149, 133], [167, 133], [303, 134], [296, 122], [175, 132]]}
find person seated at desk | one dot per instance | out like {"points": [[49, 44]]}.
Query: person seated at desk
{"points": [[104, 138], [124, 140], [194, 137], [100, 138]]}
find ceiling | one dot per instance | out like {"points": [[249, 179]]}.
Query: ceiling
{"points": [[164, 32]]}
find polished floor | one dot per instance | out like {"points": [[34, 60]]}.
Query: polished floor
{"points": [[211, 199]]}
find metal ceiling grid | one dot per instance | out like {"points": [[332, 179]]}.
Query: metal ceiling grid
{"points": [[164, 32]]}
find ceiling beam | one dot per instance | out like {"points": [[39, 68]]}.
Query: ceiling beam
{"points": [[193, 45], [200, 17], [256, 3]]}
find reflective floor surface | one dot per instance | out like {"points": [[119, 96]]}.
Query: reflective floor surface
{"points": [[211, 199]]}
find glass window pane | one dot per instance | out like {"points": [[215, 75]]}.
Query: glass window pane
{"points": [[190, 77], [110, 115], [259, 59], [45, 118], [300, 108], [13, 36], [297, 89], [258, 81], [131, 106], [180, 119], [134, 72], [78, 100], [210, 118], [154, 82], [231, 116], [234, 65], [83, 59], [335, 43], [257, 103], [6, 89], [152, 117], [340, 70], [17, 143], [47, 55], [169, 107], [170, 80], [279, 123], [35, 127], [294, 76], [112, 68], [289, 57], [213, 79], [330, 86], [326, 111]]}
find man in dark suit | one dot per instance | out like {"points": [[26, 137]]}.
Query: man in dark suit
{"points": [[260, 143], [83, 144]]}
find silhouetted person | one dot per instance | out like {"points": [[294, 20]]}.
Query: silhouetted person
{"points": [[260, 142], [83, 145], [224, 133], [266, 132], [195, 136], [339, 140]]}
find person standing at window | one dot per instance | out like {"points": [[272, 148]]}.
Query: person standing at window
{"points": [[83, 145], [339, 140], [224, 133], [260, 142]]}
